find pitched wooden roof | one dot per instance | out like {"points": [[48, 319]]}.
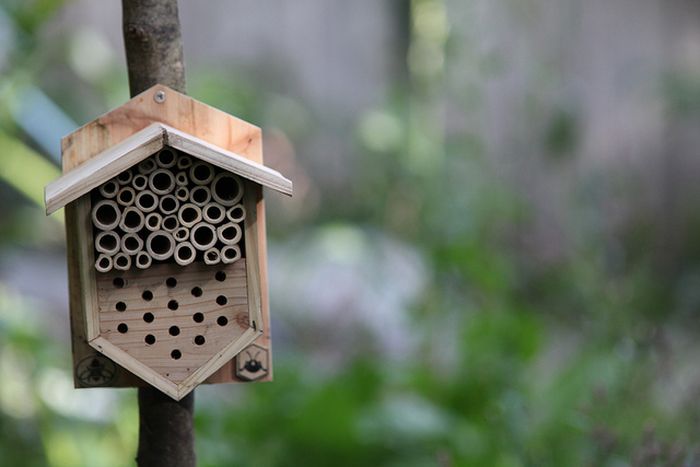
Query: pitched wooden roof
{"points": [[141, 145]]}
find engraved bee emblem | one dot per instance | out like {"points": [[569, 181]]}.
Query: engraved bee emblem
{"points": [[96, 370], [252, 363]]}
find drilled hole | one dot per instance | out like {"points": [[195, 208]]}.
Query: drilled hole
{"points": [[148, 317], [222, 321], [174, 330], [119, 282], [196, 291], [171, 282], [220, 276], [147, 295], [121, 306], [198, 317], [150, 339], [221, 300], [172, 304], [176, 354], [122, 328], [199, 340]]}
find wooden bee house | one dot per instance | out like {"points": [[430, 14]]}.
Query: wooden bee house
{"points": [[166, 245]]}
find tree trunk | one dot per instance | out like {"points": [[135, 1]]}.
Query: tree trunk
{"points": [[153, 46]]}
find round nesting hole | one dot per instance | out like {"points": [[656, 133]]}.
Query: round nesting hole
{"points": [[222, 321], [120, 306], [176, 354], [196, 292], [221, 300], [174, 330], [119, 282], [199, 340], [148, 317], [173, 305], [171, 282], [198, 317], [147, 295], [170, 223], [122, 328], [150, 339], [220, 276]]}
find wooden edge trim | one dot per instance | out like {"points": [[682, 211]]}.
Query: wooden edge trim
{"points": [[254, 280]]}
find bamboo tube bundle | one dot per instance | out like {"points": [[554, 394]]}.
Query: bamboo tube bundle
{"points": [[227, 189], [182, 193], [184, 162], [213, 213], [132, 220], [212, 256], [146, 201], [106, 214], [166, 158], [104, 263], [122, 261], [139, 182], [170, 223], [229, 233], [200, 195], [160, 245], [161, 181], [109, 189], [236, 214], [143, 260], [154, 221], [125, 177], [203, 236], [126, 196], [107, 243], [185, 253], [230, 254], [131, 244]]}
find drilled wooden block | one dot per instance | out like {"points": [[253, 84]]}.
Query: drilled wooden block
{"points": [[173, 318]]}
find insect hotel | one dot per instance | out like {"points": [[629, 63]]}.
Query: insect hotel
{"points": [[166, 245]]}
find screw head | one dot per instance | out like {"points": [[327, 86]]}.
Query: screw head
{"points": [[159, 97]]}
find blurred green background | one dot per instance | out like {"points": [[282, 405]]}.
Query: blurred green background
{"points": [[493, 253]]}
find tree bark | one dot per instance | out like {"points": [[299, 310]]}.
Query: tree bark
{"points": [[153, 44]]}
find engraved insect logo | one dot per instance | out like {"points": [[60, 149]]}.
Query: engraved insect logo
{"points": [[96, 370], [252, 363]]}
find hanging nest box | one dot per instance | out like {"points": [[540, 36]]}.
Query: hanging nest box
{"points": [[166, 245]]}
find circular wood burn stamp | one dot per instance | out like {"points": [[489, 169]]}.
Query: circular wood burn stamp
{"points": [[252, 363], [96, 370]]}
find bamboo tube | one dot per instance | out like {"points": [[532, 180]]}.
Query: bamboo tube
{"points": [[124, 178], [181, 234], [139, 182], [161, 181], [212, 256], [200, 195], [160, 245], [184, 253], [109, 189], [166, 158], [170, 223], [168, 204], [213, 213], [189, 215], [146, 201], [132, 220], [230, 254], [106, 214], [122, 261], [201, 173], [147, 166], [107, 242], [182, 193], [143, 260], [126, 196], [227, 189], [104, 263], [153, 221], [131, 244], [181, 178], [184, 162], [236, 214], [229, 233], [203, 236]]}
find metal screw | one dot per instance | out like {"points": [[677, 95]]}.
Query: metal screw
{"points": [[159, 97]]}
